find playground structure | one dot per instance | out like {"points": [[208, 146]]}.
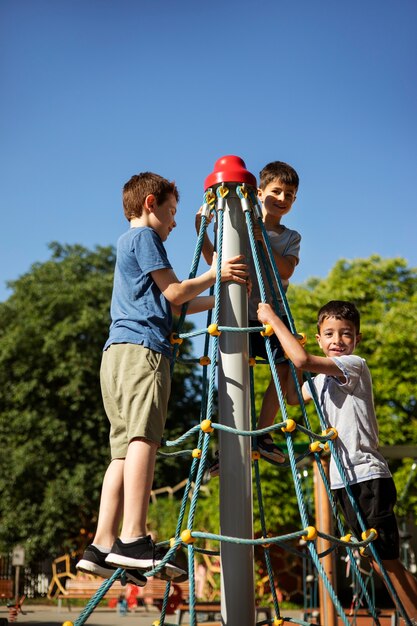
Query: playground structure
{"points": [[230, 194]]}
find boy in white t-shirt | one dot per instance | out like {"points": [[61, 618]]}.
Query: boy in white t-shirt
{"points": [[343, 386]]}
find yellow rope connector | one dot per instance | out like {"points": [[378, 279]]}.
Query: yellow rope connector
{"points": [[366, 534], [204, 360], [255, 455], [290, 426], [172, 542], [330, 431], [186, 536], [213, 330], [196, 453], [311, 534], [301, 338], [278, 621], [363, 551], [156, 622], [266, 545], [326, 447], [346, 538], [68, 623], [206, 426], [223, 190], [268, 331], [315, 446], [210, 197], [252, 362], [175, 339]]}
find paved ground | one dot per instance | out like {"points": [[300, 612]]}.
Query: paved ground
{"points": [[50, 616]]}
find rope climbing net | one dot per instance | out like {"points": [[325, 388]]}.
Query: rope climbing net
{"points": [[186, 534]]}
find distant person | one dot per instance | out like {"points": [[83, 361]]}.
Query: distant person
{"points": [[343, 386], [278, 186], [135, 375]]}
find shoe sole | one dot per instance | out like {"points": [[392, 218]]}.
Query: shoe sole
{"points": [[104, 572], [93, 568], [271, 456], [143, 564]]}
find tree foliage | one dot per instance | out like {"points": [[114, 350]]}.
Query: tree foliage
{"points": [[53, 429]]}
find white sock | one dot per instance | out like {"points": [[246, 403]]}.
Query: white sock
{"points": [[131, 539], [101, 548]]}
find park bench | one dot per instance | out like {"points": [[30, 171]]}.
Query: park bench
{"points": [[6, 588], [213, 608], [85, 586]]}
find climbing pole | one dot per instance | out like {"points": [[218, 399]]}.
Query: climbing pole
{"points": [[237, 560], [230, 197]]}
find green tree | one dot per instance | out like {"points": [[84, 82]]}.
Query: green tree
{"points": [[53, 429]]}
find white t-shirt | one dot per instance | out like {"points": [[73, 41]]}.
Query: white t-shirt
{"points": [[286, 243], [349, 407]]}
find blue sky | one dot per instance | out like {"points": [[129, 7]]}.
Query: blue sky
{"points": [[94, 91]]}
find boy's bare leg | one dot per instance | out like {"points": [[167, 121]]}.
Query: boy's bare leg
{"points": [[138, 478], [404, 584], [111, 505], [270, 404]]}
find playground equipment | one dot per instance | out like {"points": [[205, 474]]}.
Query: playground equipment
{"points": [[230, 194]]}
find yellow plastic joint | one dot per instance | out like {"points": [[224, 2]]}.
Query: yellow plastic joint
{"points": [[252, 361], [68, 623], [315, 446], [186, 536], [268, 331], [255, 455], [326, 447], [223, 190], [213, 330], [301, 338], [278, 621], [204, 360], [363, 551], [210, 197], [332, 432], [196, 453], [175, 339], [156, 622], [311, 533], [290, 426], [367, 533], [346, 538], [206, 426]]}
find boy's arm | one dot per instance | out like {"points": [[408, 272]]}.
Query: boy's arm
{"points": [[293, 349], [178, 292], [196, 305], [208, 247]]}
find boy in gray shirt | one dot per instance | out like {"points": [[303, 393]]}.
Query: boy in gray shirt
{"points": [[343, 386]]}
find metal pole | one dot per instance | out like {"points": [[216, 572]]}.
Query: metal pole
{"points": [[237, 560], [237, 571]]}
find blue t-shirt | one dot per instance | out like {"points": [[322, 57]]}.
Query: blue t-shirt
{"points": [[139, 311]]}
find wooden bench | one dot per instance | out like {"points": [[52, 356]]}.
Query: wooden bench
{"points": [[152, 594], [84, 587], [6, 588], [214, 608]]}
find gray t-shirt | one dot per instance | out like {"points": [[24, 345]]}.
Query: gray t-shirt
{"points": [[286, 243], [140, 313], [349, 407]]}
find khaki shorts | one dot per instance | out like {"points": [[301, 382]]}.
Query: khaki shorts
{"points": [[135, 384]]}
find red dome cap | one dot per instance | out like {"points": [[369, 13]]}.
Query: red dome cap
{"points": [[229, 169]]}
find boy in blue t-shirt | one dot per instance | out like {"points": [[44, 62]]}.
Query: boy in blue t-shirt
{"points": [[135, 374]]}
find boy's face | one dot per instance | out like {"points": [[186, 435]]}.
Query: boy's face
{"points": [[162, 216], [277, 197], [337, 337]]}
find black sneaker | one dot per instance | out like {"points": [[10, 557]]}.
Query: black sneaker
{"points": [[268, 449], [144, 555], [94, 562]]}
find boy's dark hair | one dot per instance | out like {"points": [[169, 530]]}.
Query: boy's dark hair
{"points": [[340, 309], [275, 170], [141, 185]]}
